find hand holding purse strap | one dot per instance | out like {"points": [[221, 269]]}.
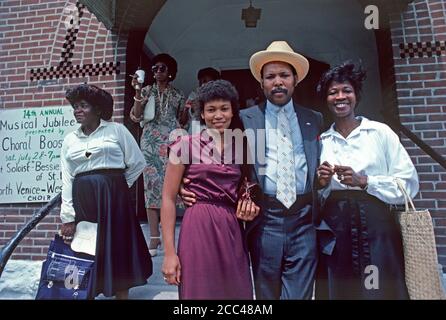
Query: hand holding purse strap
{"points": [[407, 199]]}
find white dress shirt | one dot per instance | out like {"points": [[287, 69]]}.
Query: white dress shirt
{"points": [[110, 146], [300, 160], [375, 150]]}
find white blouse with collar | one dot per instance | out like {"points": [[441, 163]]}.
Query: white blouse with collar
{"points": [[375, 150], [110, 146]]}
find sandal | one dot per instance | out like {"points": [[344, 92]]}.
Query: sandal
{"points": [[155, 243]]}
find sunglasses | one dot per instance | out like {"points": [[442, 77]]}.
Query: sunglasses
{"points": [[159, 68]]}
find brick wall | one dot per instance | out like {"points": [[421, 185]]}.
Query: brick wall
{"points": [[421, 87], [39, 59]]}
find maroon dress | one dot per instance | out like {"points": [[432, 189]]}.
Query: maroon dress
{"points": [[214, 260]]}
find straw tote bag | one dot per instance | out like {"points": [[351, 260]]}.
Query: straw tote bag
{"points": [[423, 279]]}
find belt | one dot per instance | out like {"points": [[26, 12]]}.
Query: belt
{"points": [[217, 202], [101, 171], [301, 201]]}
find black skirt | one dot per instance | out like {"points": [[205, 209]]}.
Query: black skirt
{"points": [[367, 261], [122, 258]]}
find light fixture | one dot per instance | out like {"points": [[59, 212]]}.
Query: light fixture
{"points": [[251, 15]]}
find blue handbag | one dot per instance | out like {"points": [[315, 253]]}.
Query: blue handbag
{"points": [[66, 274]]}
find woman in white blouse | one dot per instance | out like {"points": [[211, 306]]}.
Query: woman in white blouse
{"points": [[360, 161], [100, 161]]}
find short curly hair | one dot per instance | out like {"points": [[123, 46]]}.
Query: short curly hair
{"points": [[97, 97], [211, 72], [220, 90], [347, 71], [169, 61]]}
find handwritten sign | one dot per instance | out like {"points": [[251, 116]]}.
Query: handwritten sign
{"points": [[30, 144]]}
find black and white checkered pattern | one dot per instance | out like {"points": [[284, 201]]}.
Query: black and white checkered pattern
{"points": [[70, 40], [65, 69], [422, 49], [98, 69]]}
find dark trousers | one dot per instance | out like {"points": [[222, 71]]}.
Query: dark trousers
{"points": [[283, 251]]}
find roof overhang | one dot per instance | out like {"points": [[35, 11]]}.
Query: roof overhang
{"points": [[123, 15]]}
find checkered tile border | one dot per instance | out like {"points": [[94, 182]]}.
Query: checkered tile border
{"points": [[98, 69], [422, 49], [65, 69], [68, 46], [70, 39]]}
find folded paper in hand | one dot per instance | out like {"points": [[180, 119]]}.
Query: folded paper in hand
{"points": [[84, 239]]}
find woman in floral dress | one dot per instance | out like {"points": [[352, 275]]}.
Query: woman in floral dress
{"points": [[169, 103]]}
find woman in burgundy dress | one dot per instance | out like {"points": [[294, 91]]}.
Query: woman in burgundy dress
{"points": [[212, 261]]}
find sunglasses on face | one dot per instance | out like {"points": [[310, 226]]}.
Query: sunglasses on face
{"points": [[159, 68]]}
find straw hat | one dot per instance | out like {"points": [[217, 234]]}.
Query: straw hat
{"points": [[84, 239], [278, 51]]}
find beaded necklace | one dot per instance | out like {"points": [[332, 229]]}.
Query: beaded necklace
{"points": [[163, 106]]}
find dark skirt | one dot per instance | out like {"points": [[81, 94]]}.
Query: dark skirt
{"points": [[367, 261], [122, 259]]}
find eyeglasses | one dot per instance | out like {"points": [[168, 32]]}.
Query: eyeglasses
{"points": [[159, 68]]}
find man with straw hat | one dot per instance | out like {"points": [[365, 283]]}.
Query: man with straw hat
{"points": [[282, 240]]}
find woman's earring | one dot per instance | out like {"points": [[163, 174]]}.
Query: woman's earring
{"points": [[170, 76]]}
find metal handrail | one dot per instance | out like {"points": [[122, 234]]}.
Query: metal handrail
{"points": [[396, 124], [9, 247]]}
